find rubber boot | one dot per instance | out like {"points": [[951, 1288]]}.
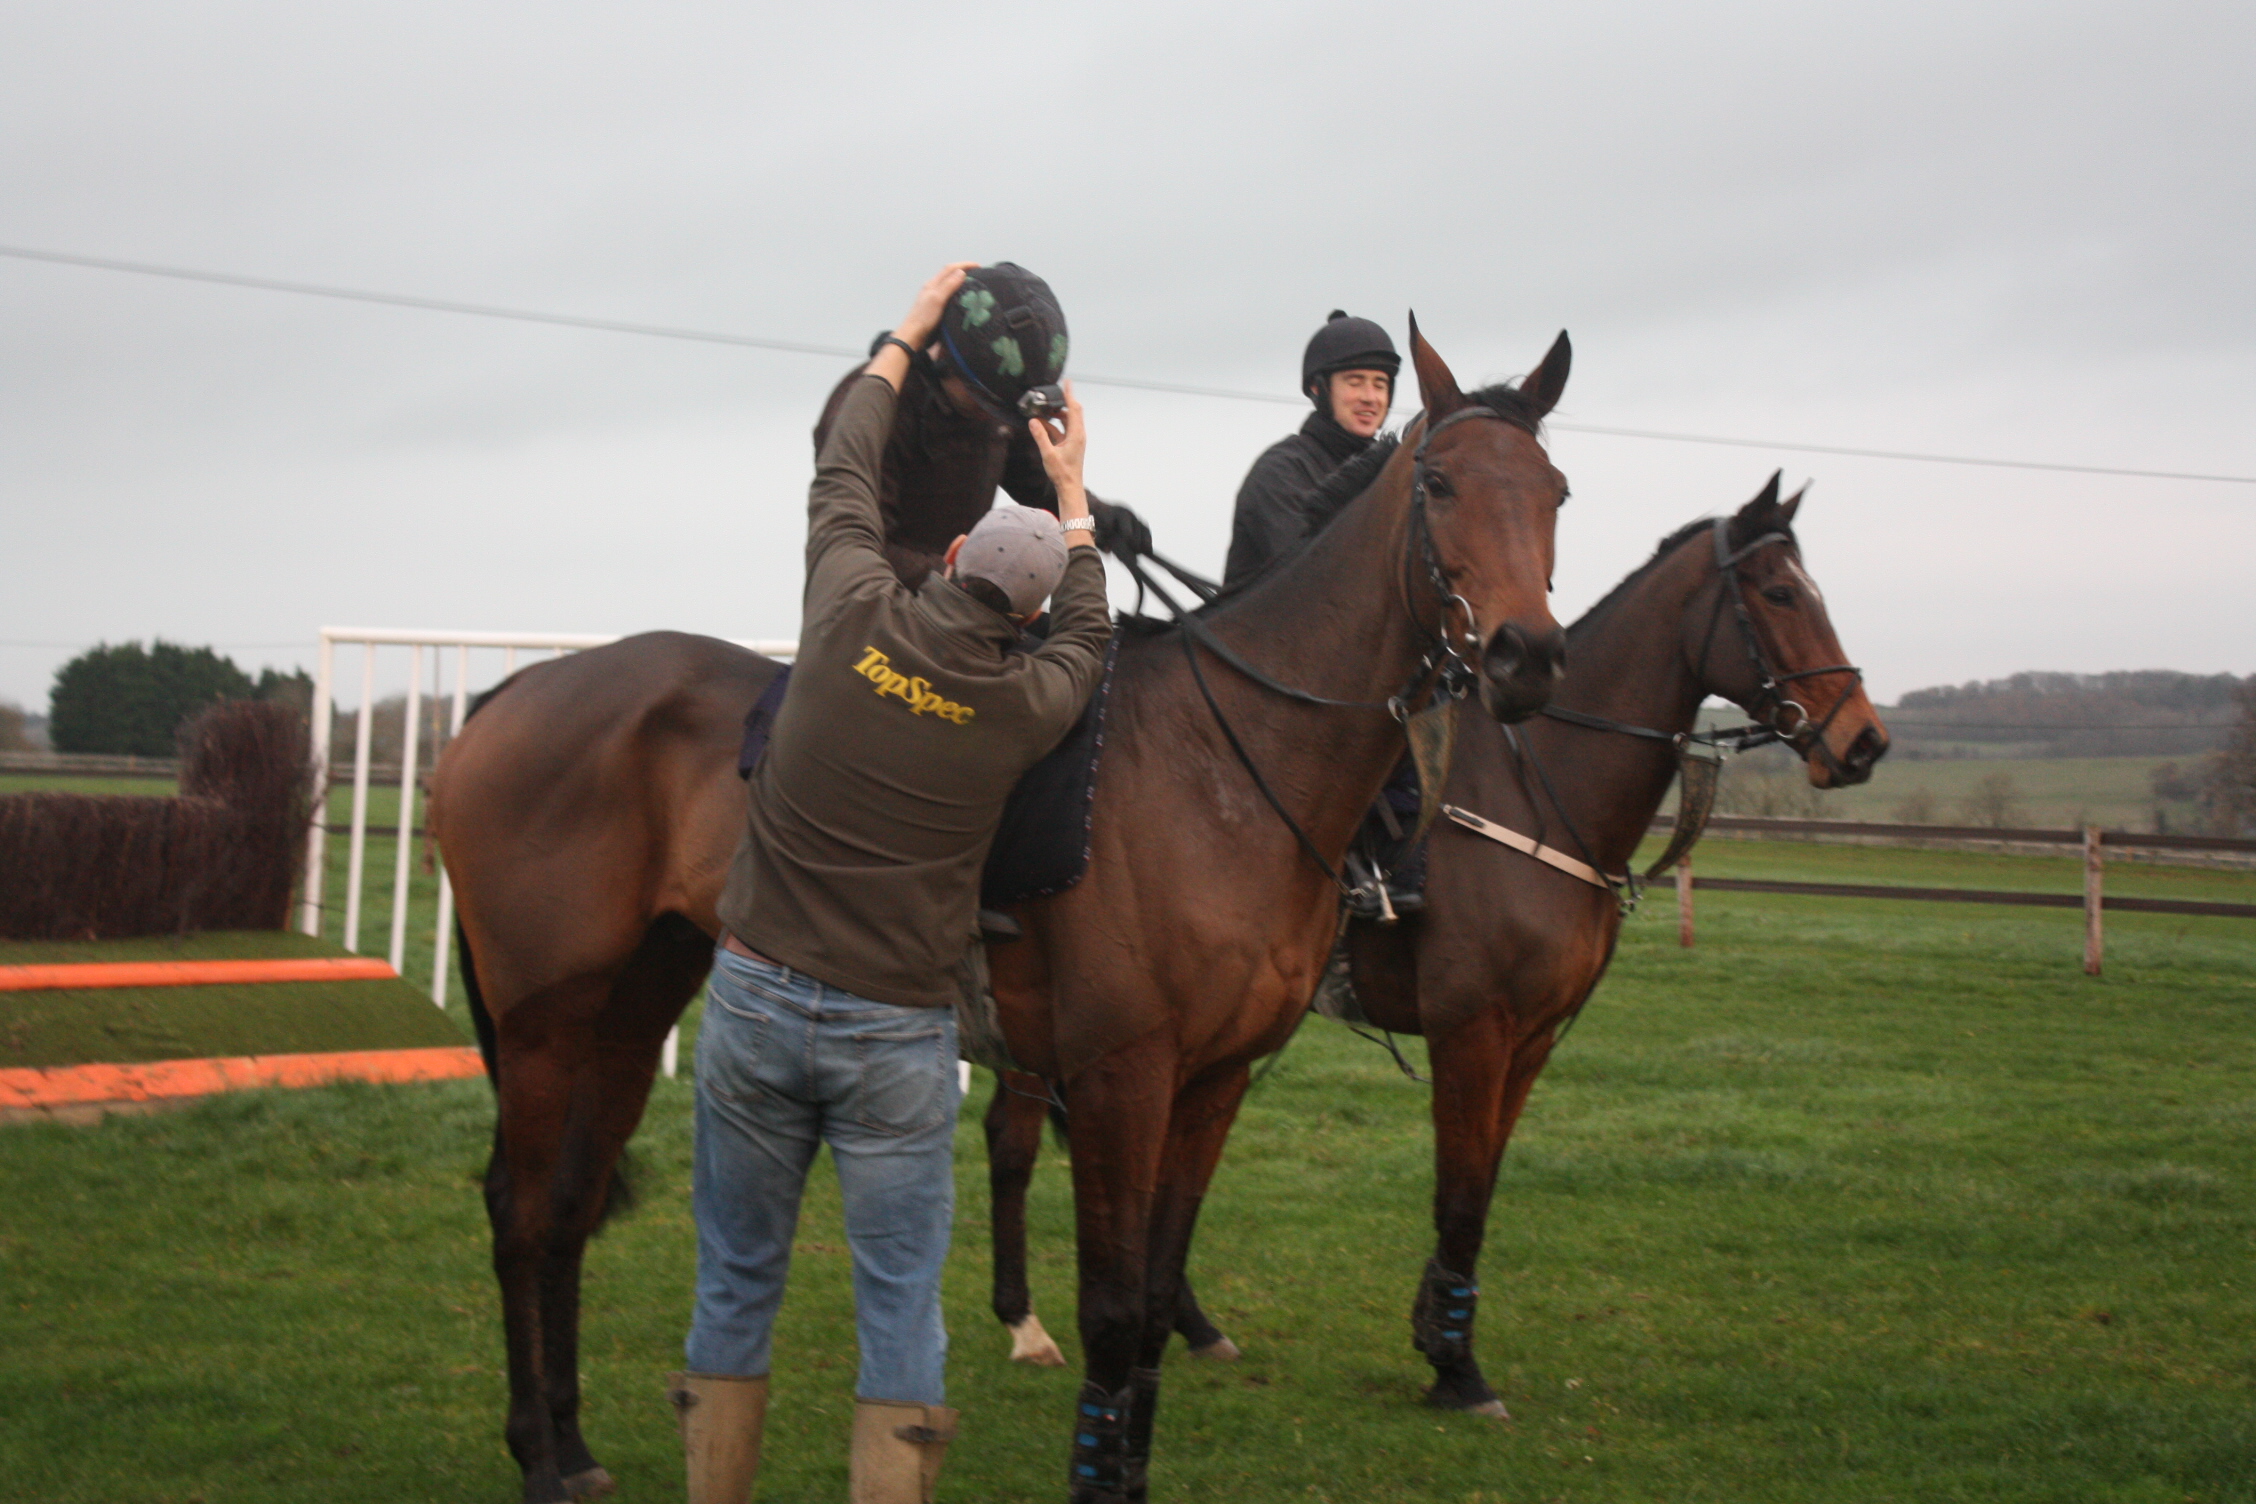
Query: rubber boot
{"points": [[721, 1420], [898, 1448]]}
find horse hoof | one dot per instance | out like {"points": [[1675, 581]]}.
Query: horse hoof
{"points": [[592, 1484], [1482, 1401], [1220, 1350], [1030, 1343]]}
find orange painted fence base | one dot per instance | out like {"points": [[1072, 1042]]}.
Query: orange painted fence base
{"points": [[100, 974], [56, 1090]]}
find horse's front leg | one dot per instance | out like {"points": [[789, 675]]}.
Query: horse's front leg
{"points": [[1014, 1143], [1474, 1074], [1197, 1130], [1119, 1108]]}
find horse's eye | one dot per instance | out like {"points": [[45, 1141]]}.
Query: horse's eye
{"points": [[1779, 595], [1437, 484]]}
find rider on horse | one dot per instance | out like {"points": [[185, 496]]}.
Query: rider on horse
{"points": [[1348, 372]]}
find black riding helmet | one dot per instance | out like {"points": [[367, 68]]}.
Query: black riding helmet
{"points": [[1003, 332], [1345, 344]]}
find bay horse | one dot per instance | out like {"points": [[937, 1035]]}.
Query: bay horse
{"points": [[587, 814], [1508, 949]]}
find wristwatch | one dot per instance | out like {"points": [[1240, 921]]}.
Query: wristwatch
{"points": [[1079, 525]]}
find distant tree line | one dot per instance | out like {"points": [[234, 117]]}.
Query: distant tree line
{"points": [[2148, 712], [127, 699]]}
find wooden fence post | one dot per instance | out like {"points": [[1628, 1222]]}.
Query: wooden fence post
{"points": [[2093, 938], [1684, 900]]}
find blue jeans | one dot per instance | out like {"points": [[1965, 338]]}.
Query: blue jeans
{"points": [[786, 1063]]}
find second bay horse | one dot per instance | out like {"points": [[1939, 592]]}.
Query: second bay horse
{"points": [[1508, 949]]}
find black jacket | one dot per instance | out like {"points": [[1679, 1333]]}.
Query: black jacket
{"points": [[1273, 505]]}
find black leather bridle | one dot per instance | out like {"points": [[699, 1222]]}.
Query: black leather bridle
{"points": [[1773, 709], [1778, 718]]}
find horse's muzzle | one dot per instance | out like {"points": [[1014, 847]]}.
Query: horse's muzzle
{"points": [[1520, 670], [1853, 766]]}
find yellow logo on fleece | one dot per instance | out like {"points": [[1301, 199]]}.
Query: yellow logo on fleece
{"points": [[915, 693]]}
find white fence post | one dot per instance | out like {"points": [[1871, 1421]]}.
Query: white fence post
{"points": [[362, 725], [442, 942], [403, 848]]}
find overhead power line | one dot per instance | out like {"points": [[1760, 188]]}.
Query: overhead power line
{"points": [[798, 347]]}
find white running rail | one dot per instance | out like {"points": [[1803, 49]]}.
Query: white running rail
{"points": [[421, 646]]}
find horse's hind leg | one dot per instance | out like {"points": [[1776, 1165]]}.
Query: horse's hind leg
{"points": [[1014, 1143], [534, 1087], [1480, 1084], [613, 1088], [1202, 1336], [575, 1068]]}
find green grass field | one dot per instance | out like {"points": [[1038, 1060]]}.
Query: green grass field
{"points": [[1854, 1201]]}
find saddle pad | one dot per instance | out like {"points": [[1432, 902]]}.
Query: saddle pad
{"points": [[1042, 845]]}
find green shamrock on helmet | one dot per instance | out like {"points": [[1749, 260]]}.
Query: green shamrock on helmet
{"points": [[1007, 358], [1057, 354], [977, 303]]}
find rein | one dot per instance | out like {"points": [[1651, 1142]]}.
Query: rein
{"points": [[1446, 670]]}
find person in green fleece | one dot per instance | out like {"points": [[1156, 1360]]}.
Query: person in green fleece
{"points": [[851, 907]]}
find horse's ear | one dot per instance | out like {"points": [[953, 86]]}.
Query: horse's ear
{"points": [[1437, 388], [1758, 516], [1791, 505], [1543, 386]]}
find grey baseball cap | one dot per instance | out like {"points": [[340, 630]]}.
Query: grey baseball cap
{"points": [[1019, 550]]}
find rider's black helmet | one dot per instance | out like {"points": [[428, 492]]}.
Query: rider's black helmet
{"points": [[1345, 344], [1004, 332]]}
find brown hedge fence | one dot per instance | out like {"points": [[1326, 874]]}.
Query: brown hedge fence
{"points": [[222, 855]]}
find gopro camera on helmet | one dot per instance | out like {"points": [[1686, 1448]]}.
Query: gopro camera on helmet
{"points": [[1042, 402]]}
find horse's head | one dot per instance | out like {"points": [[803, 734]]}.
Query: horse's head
{"points": [[1766, 643], [1489, 499]]}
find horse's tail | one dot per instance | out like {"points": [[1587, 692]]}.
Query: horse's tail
{"points": [[480, 1019]]}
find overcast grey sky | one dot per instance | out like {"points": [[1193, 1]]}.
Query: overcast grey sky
{"points": [[2016, 230]]}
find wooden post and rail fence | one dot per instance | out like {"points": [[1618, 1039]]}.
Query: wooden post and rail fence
{"points": [[2090, 838], [363, 772]]}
